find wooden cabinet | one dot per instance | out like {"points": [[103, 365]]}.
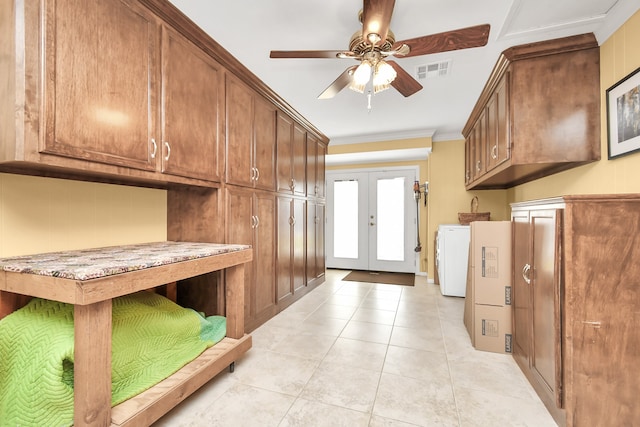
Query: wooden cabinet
{"points": [[315, 241], [538, 114], [251, 220], [91, 111], [291, 157], [576, 320], [251, 138], [124, 96], [290, 270], [537, 282]]}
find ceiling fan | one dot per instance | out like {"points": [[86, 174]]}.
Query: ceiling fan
{"points": [[376, 42]]}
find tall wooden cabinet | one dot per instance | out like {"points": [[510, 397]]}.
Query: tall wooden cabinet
{"points": [[251, 220], [576, 303], [538, 114], [291, 250]]}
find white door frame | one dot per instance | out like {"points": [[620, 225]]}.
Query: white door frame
{"points": [[362, 263]]}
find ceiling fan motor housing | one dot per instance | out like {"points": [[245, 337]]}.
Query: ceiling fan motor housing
{"points": [[359, 45]]}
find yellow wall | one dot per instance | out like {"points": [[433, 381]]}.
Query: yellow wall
{"points": [[43, 215]]}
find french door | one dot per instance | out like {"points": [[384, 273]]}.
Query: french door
{"points": [[371, 220]]}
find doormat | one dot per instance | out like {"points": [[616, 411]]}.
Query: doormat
{"points": [[405, 279]]}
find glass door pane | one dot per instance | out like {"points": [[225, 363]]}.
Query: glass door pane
{"points": [[391, 219], [345, 214]]}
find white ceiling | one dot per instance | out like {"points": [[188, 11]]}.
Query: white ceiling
{"points": [[250, 29]]}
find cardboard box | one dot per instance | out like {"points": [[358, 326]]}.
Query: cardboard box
{"points": [[490, 258], [487, 308], [493, 328]]}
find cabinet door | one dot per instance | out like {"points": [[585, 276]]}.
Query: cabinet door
{"points": [[191, 107], [100, 103], [479, 146], [320, 171], [312, 165], [497, 125], [320, 245], [298, 160], [264, 244], [284, 138], [239, 144], [521, 288], [284, 255], [545, 354], [265, 144], [298, 249], [240, 230]]}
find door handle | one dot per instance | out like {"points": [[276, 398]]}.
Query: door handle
{"points": [[525, 273]]}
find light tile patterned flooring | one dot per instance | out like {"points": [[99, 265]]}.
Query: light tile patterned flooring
{"points": [[360, 354]]}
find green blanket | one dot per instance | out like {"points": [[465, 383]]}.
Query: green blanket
{"points": [[152, 338]]}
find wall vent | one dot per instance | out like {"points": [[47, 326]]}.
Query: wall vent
{"points": [[435, 69]]}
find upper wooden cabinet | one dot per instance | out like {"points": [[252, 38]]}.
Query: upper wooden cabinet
{"points": [[124, 95], [291, 157], [100, 82], [251, 137], [538, 114], [191, 105]]}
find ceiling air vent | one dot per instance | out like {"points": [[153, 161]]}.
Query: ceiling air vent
{"points": [[435, 69]]}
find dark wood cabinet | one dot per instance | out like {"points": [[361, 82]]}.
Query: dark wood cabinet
{"points": [[575, 322], [537, 300], [251, 137], [315, 242], [291, 156], [538, 114], [251, 220], [291, 250]]}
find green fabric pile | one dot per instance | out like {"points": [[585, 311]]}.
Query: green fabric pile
{"points": [[152, 338]]}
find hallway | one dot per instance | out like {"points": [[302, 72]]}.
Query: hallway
{"points": [[360, 354]]}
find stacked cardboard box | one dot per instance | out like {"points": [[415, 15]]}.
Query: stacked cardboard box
{"points": [[487, 310]]}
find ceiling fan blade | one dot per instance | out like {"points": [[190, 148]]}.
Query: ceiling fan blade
{"points": [[376, 17], [338, 84], [331, 54], [463, 38], [404, 82]]}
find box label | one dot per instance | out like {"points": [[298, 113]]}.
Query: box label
{"points": [[490, 328], [490, 262], [508, 341], [507, 295]]}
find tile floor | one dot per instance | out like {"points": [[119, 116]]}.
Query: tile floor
{"points": [[361, 354]]}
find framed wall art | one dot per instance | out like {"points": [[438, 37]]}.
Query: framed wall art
{"points": [[623, 116]]}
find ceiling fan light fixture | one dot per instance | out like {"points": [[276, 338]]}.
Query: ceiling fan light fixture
{"points": [[383, 75], [362, 75]]}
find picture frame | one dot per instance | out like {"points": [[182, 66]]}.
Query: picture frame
{"points": [[623, 116]]}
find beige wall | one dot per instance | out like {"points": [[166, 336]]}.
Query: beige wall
{"points": [[43, 215]]}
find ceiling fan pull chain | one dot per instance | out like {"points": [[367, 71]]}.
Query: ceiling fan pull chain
{"points": [[369, 102]]}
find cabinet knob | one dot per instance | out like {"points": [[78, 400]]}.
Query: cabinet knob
{"points": [[253, 174], [478, 165], [155, 148], [257, 173], [494, 152], [292, 184], [257, 221]]}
